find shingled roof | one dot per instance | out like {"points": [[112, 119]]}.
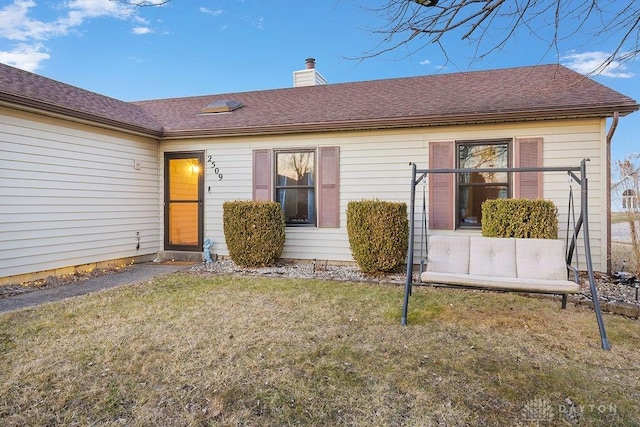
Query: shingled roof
{"points": [[504, 95], [35, 92]]}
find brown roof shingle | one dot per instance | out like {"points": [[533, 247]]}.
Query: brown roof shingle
{"points": [[34, 91], [540, 92], [526, 93]]}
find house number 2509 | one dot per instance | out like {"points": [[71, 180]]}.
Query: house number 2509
{"points": [[212, 165]]}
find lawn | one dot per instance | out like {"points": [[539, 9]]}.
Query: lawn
{"points": [[189, 350], [618, 217]]}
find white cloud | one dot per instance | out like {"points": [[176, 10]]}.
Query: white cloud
{"points": [[596, 63], [142, 30], [84, 9], [24, 56], [17, 25], [260, 23], [437, 68], [211, 12], [255, 22]]}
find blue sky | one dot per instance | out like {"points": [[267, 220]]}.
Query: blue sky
{"points": [[190, 47]]}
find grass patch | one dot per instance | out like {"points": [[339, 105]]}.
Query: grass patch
{"points": [[188, 350]]}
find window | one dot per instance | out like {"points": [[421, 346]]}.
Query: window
{"points": [[629, 200], [475, 187], [306, 183], [454, 201], [295, 186]]}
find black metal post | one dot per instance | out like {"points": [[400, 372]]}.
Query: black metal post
{"points": [[587, 250], [412, 208]]}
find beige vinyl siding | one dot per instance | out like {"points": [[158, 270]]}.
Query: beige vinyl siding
{"points": [[371, 166], [70, 195], [376, 165], [309, 77]]}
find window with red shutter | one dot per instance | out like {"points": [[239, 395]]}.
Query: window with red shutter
{"points": [[293, 182], [457, 198]]}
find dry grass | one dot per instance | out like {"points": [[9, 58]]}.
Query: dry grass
{"points": [[229, 351], [622, 257], [617, 217]]}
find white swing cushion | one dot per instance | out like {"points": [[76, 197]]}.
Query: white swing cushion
{"points": [[448, 254], [492, 256], [529, 265], [541, 259]]}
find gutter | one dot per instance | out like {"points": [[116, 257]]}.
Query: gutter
{"points": [[612, 130], [399, 122], [51, 110]]}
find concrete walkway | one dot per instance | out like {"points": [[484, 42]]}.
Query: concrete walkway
{"points": [[135, 274]]}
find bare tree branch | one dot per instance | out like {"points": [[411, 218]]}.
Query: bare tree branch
{"points": [[629, 192], [557, 22], [492, 24]]}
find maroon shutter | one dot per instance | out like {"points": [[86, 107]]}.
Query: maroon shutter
{"points": [[262, 175], [328, 187], [528, 153], [441, 203]]}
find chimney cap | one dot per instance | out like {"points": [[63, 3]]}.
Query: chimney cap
{"points": [[310, 63]]}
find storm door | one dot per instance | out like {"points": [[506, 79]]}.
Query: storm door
{"points": [[183, 201]]}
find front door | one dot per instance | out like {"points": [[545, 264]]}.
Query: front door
{"points": [[183, 201]]}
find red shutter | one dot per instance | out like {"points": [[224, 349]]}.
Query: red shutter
{"points": [[528, 153], [328, 187], [262, 175], [441, 194]]}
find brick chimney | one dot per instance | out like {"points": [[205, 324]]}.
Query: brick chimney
{"points": [[309, 76]]}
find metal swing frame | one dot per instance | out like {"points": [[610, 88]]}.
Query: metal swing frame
{"points": [[582, 224]]}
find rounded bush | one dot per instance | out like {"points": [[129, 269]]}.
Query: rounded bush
{"points": [[378, 234], [522, 218], [254, 232]]}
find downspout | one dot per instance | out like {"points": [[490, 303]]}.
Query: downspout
{"points": [[612, 130]]}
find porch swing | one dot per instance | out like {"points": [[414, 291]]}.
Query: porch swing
{"points": [[448, 247]]}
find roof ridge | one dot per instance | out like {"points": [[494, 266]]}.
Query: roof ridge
{"points": [[361, 82]]}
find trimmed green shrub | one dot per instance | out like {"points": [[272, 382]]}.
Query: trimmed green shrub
{"points": [[254, 232], [534, 219], [378, 234]]}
